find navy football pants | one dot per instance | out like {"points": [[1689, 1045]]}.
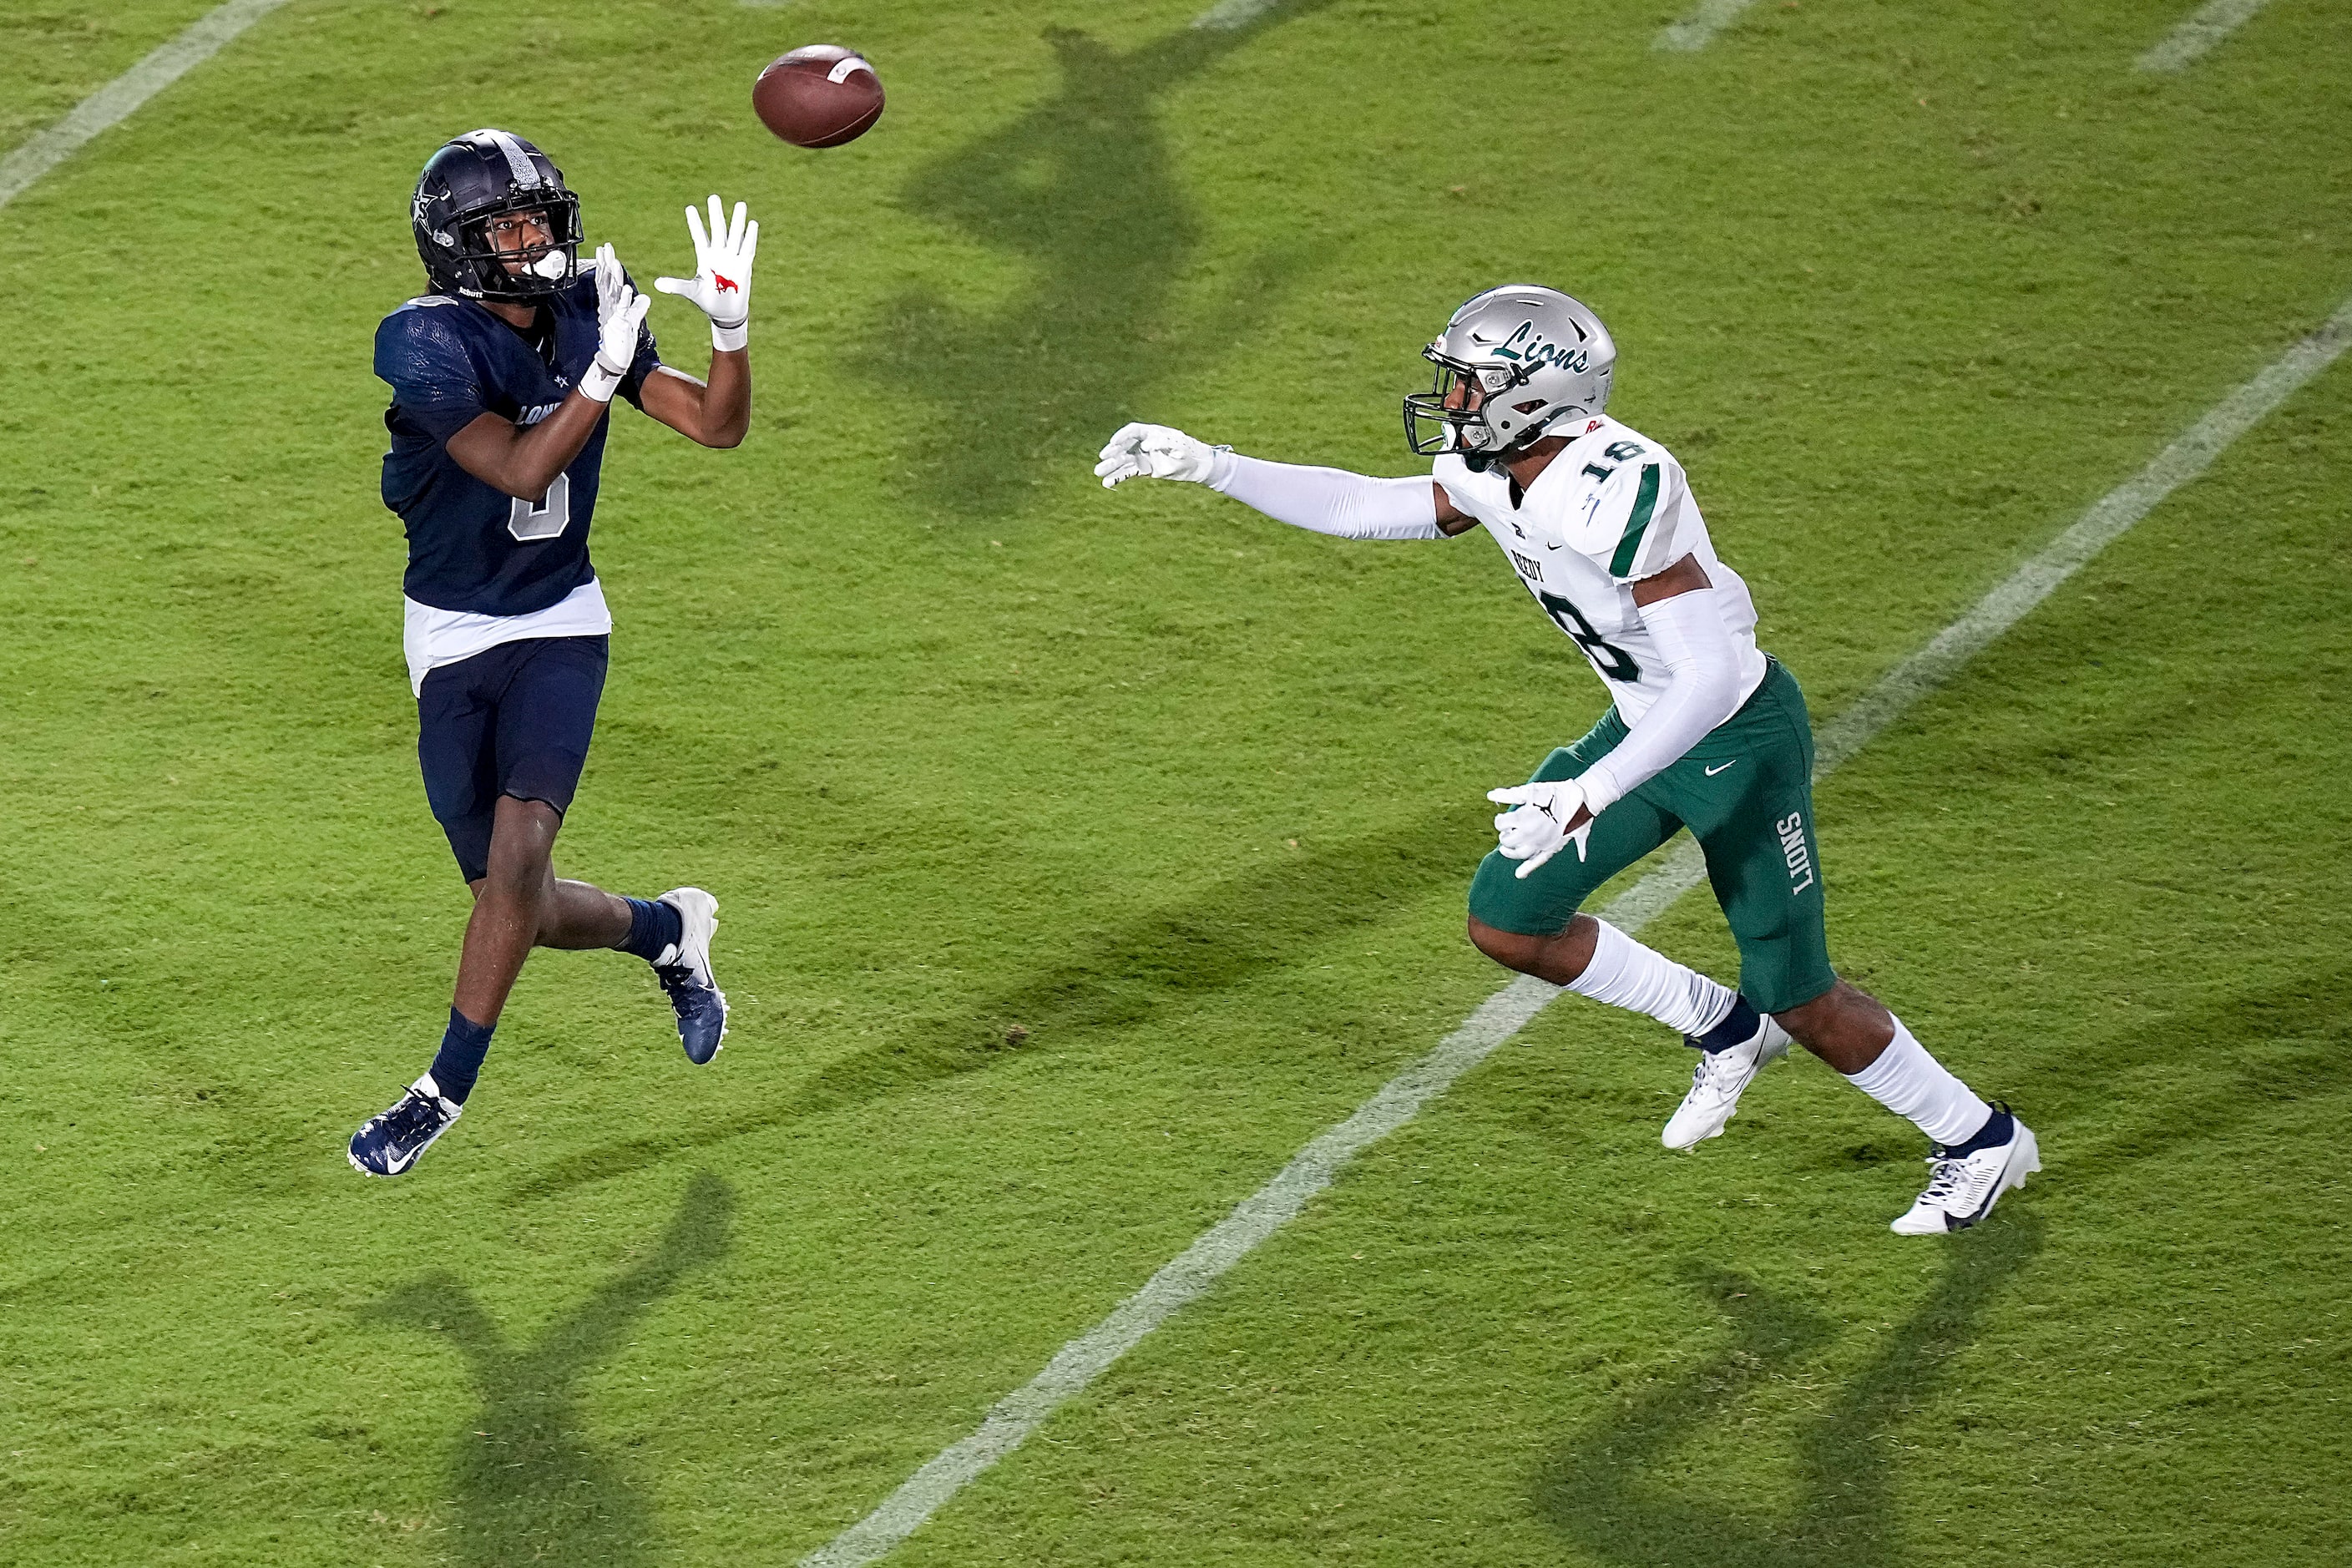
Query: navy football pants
{"points": [[513, 719]]}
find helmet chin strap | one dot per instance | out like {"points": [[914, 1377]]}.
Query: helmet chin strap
{"points": [[1479, 462], [1562, 417]]}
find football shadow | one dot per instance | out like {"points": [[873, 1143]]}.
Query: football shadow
{"points": [[1082, 191], [1113, 979], [529, 1484], [1603, 1488]]}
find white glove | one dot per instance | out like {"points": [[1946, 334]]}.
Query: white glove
{"points": [[1157, 452], [721, 285], [620, 312], [1538, 829]]}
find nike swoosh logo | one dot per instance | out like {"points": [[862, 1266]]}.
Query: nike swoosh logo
{"points": [[1712, 771], [1549, 545]]}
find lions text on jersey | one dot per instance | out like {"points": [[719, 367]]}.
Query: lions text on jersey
{"points": [[471, 547], [1610, 509]]}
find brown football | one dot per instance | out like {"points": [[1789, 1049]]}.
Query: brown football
{"points": [[819, 96]]}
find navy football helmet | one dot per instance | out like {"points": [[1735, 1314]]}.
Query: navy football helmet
{"points": [[471, 182]]}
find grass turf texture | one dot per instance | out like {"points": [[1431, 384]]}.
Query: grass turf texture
{"points": [[878, 676]]}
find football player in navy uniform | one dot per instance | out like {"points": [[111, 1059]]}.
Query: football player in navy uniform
{"points": [[501, 377]]}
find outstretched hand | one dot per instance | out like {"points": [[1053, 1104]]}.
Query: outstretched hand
{"points": [[1155, 452], [721, 285]]}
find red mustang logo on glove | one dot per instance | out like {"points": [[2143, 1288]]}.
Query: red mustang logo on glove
{"points": [[726, 283]]}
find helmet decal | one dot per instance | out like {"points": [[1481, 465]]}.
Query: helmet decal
{"points": [[1538, 350], [469, 183], [1512, 363], [519, 162]]}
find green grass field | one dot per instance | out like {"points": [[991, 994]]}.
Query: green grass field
{"points": [[1907, 288]]}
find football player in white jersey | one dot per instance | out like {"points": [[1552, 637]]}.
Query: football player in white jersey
{"points": [[1706, 731]]}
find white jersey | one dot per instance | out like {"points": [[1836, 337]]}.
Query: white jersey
{"points": [[1608, 510]]}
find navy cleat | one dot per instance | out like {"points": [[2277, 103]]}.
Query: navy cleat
{"points": [[684, 973], [388, 1144]]}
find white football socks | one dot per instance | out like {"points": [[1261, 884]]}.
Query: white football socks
{"points": [[1905, 1079], [1624, 974], [1911, 1083]]}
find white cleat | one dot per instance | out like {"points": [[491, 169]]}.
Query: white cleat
{"points": [[1717, 1081], [1962, 1188]]}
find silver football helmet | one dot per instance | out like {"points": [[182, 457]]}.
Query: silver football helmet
{"points": [[1510, 363]]}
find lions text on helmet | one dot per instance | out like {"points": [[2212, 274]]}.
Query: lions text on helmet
{"points": [[1514, 363]]}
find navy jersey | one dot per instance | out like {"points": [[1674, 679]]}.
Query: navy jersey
{"points": [[472, 547]]}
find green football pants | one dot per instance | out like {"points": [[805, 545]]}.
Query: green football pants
{"points": [[1746, 793]]}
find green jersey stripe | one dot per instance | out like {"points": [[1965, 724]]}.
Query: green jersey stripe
{"points": [[1637, 525], [1663, 542]]}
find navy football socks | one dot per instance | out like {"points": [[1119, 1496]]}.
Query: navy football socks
{"points": [[654, 928], [1738, 1026], [1999, 1129], [459, 1060]]}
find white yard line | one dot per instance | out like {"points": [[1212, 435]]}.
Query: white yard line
{"points": [[2205, 27], [1233, 15], [115, 102], [1504, 1014], [1698, 29]]}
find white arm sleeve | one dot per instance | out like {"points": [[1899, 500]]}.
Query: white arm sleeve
{"points": [[1331, 500], [1703, 691]]}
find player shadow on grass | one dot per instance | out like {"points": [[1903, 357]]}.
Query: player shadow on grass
{"points": [[530, 1486], [1081, 189], [1110, 979], [1603, 1487], [1249, 925]]}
